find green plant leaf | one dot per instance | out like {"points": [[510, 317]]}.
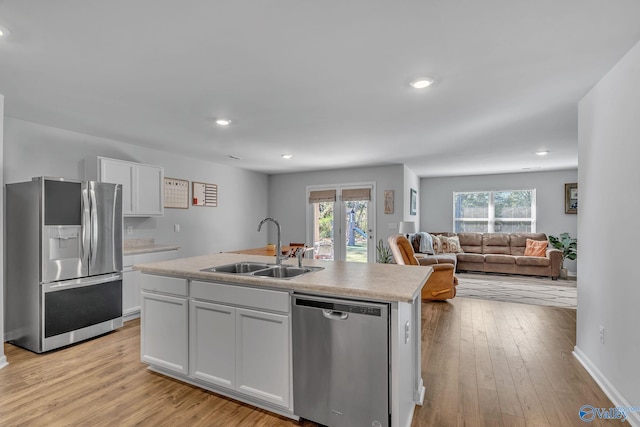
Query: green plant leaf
{"points": [[567, 244], [384, 253]]}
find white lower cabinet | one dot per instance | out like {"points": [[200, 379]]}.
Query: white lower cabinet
{"points": [[246, 350], [212, 349], [227, 337], [165, 323], [132, 280], [131, 300], [262, 346]]}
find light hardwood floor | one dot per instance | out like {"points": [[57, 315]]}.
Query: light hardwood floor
{"points": [[484, 363], [490, 363]]}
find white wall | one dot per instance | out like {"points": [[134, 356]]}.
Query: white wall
{"points": [[608, 289], [3, 359], [287, 197], [437, 199], [35, 150]]}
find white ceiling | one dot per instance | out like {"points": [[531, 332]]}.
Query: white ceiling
{"points": [[324, 80]]}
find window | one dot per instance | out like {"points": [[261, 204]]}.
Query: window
{"points": [[504, 211]]}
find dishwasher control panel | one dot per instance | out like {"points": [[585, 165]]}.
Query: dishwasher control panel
{"points": [[344, 308]]}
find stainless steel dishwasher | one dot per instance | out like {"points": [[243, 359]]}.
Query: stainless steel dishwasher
{"points": [[340, 361]]}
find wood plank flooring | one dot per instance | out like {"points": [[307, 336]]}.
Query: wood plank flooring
{"points": [[490, 363], [485, 363]]}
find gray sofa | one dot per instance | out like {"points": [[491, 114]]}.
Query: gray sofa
{"points": [[495, 253]]}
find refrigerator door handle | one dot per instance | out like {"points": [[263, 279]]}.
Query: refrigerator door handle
{"points": [[84, 245], [79, 283], [114, 218], [94, 227]]}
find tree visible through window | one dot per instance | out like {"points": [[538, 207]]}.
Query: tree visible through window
{"points": [[504, 211]]}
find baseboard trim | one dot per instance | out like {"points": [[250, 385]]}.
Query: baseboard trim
{"points": [[130, 316], [612, 393], [3, 361]]}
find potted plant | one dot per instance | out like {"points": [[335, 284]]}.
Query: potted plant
{"points": [[569, 247], [384, 253]]}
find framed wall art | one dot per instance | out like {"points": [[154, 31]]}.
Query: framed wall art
{"points": [[176, 193], [413, 202], [571, 198], [204, 194], [388, 201]]}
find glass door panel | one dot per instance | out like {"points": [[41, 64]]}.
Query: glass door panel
{"points": [[323, 230], [357, 231]]}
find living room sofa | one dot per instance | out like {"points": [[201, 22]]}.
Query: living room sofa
{"points": [[494, 253]]}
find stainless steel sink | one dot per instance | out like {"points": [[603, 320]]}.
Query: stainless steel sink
{"points": [[238, 267], [262, 270], [283, 271]]}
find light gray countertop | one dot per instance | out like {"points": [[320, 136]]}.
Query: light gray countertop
{"points": [[381, 282], [148, 249], [145, 246]]}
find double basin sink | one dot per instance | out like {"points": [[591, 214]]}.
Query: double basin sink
{"points": [[258, 269]]}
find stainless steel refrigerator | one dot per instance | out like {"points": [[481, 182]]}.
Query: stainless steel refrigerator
{"points": [[63, 261]]}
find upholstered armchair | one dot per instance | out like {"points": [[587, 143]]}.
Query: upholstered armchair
{"points": [[442, 283]]}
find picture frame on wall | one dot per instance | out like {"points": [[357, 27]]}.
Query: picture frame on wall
{"points": [[176, 193], [571, 198], [388, 201], [413, 202]]}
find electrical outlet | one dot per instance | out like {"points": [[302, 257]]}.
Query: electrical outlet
{"points": [[602, 334], [176, 228], [129, 229]]}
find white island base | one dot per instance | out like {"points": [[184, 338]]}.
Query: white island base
{"points": [[234, 338]]}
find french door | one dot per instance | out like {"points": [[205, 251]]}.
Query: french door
{"points": [[341, 222]]}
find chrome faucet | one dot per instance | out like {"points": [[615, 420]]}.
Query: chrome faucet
{"points": [[279, 256], [300, 254]]}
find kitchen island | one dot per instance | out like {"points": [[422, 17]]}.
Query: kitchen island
{"points": [[232, 333]]}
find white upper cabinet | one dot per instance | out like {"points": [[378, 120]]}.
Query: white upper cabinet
{"points": [[148, 186], [141, 185], [117, 172]]}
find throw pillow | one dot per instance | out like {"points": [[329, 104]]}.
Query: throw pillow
{"points": [[536, 248], [437, 244], [451, 245]]}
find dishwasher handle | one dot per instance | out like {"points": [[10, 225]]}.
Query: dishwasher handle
{"points": [[335, 315]]}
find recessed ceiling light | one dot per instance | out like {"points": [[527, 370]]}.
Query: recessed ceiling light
{"points": [[421, 83], [4, 31], [223, 122], [287, 156], [542, 152]]}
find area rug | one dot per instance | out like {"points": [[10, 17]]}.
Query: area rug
{"points": [[520, 289]]}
